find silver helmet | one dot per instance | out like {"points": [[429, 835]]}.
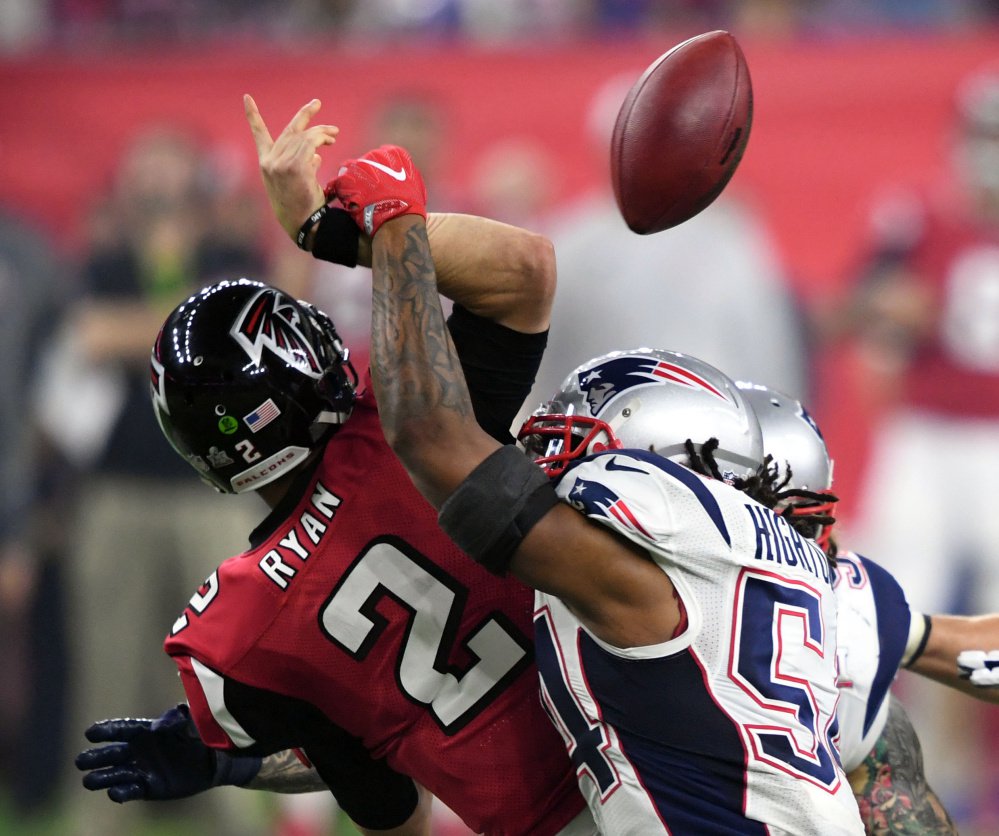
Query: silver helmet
{"points": [[650, 399], [791, 437], [794, 441]]}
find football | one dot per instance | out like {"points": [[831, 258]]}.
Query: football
{"points": [[681, 132]]}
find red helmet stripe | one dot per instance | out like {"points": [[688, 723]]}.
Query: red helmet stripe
{"points": [[255, 315], [692, 378]]}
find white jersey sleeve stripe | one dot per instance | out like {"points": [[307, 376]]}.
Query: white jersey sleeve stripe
{"points": [[213, 687]]}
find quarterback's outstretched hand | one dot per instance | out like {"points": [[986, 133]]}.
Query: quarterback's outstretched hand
{"points": [[378, 186], [157, 760], [980, 667], [289, 164]]}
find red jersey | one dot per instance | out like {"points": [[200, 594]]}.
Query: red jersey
{"points": [[357, 605], [955, 371]]}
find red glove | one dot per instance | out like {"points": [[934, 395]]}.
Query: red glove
{"points": [[380, 185]]}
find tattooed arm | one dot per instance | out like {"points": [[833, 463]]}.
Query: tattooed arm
{"points": [[286, 772], [427, 417], [890, 785]]}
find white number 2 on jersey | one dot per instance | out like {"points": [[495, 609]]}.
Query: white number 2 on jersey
{"points": [[435, 603]]}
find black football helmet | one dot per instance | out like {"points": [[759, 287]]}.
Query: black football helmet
{"points": [[247, 381]]}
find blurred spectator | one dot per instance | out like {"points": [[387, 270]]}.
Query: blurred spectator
{"points": [[145, 536], [23, 24], [416, 120], [32, 283], [711, 286], [480, 20], [514, 181], [927, 314]]}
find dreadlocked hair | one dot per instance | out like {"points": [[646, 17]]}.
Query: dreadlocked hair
{"points": [[808, 512], [768, 487]]}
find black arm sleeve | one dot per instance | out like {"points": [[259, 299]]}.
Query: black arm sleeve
{"points": [[367, 789], [500, 365]]}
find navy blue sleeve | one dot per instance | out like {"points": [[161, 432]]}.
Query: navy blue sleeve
{"points": [[500, 366], [893, 632], [374, 795]]}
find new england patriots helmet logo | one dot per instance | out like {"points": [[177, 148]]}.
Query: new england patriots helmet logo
{"points": [[808, 419], [600, 384], [272, 320]]}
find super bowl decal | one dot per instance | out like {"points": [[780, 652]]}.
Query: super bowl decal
{"points": [[272, 321]]}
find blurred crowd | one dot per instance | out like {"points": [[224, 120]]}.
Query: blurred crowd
{"points": [[27, 22], [104, 532]]}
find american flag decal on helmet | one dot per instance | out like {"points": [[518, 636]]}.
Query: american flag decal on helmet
{"points": [[272, 320], [603, 382]]}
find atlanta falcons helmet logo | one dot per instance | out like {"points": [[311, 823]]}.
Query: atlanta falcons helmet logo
{"points": [[272, 320]]}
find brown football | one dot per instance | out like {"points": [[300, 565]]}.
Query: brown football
{"points": [[681, 132]]}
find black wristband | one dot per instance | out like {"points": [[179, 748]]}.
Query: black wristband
{"points": [[495, 508], [235, 770], [306, 228], [337, 237]]}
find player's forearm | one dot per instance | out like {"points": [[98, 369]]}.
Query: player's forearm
{"points": [[423, 400], [949, 635], [890, 785], [494, 269], [286, 773]]}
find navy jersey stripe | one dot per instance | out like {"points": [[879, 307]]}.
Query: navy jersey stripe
{"points": [[893, 632], [686, 751]]}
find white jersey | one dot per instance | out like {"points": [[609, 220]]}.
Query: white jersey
{"points": [[727, 727], [873, 626]]}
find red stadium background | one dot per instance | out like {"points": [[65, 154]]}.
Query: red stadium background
{"points": [[835, 122]]}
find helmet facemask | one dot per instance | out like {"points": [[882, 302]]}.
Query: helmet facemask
{"points": [[554, 439]]}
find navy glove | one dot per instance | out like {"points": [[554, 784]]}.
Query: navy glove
{"points": [[157, 760]]}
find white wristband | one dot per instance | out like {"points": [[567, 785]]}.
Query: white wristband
{"points": [[919, 627]]}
